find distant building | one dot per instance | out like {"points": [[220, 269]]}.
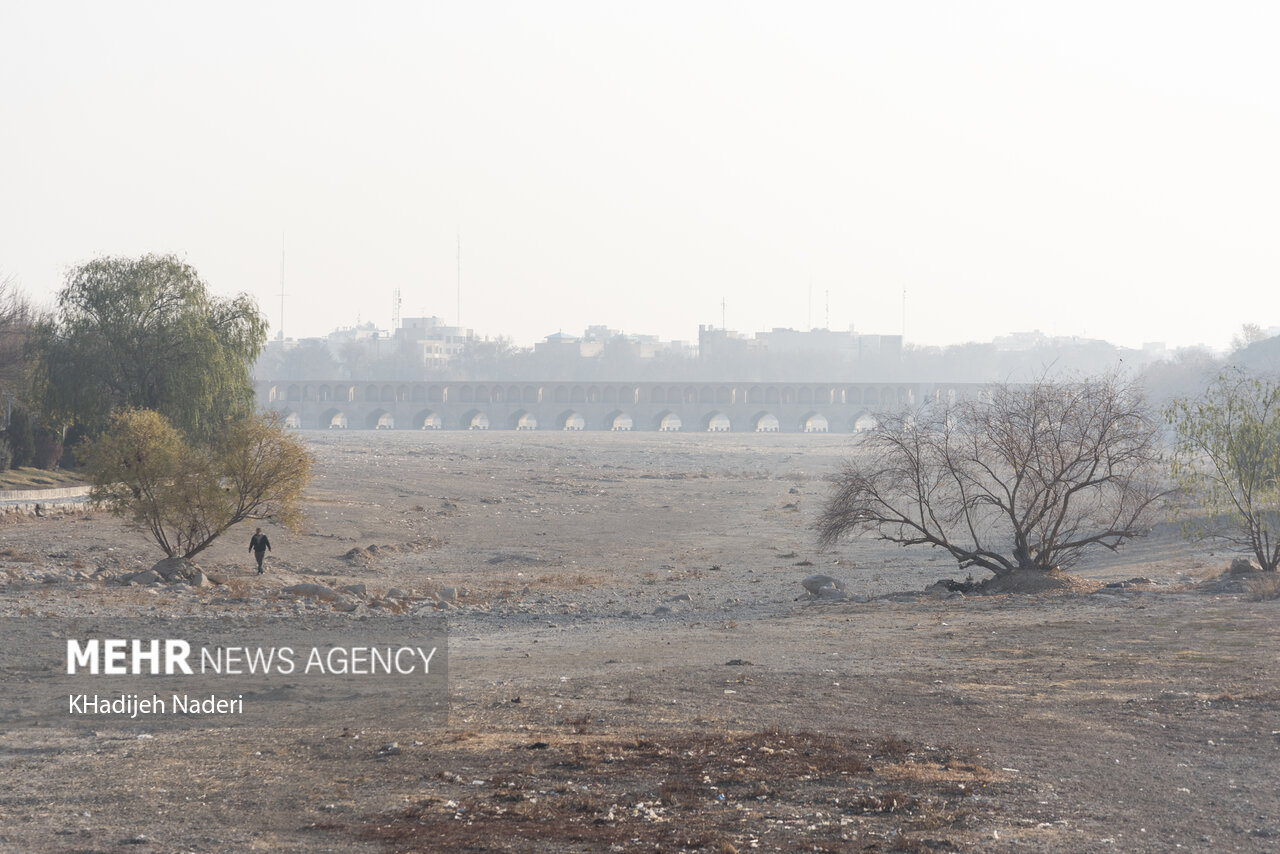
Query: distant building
{"points": [[431, 340]]}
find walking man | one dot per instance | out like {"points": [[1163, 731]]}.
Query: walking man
{"points": [[259, 545]]}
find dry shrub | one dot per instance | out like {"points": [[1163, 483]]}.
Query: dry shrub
{"points": [[1263, 587], [238, 586]]}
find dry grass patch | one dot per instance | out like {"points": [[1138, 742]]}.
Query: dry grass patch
{"points": [[1263, 587]]}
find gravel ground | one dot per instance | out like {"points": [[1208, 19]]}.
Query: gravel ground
{"points": [[634, 665]]}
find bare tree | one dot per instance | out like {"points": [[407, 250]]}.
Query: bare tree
{"points": [[1022, 477]]}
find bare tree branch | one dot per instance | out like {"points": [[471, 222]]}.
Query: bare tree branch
{"points": [[1021, 477]]}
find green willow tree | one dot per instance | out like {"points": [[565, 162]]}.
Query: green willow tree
{"points": [[1226, 462], [185, 495], [145, 333]]}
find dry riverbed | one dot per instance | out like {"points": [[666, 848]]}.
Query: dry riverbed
{"points": [[634, 665]]}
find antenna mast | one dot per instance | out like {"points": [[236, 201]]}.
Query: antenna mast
{"points": [[280, 332]]}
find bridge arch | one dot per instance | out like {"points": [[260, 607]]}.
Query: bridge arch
{"points": [[667, 421], [475, 419], [716, 422], [522, 419], [571, 420], [333, 419], [427, 419], [765, 422], [380, 419], [862, 422], [291, 420], [618, 421], [814, 422]]}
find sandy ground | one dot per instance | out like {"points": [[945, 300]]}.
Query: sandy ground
{"points": [[634, 666]]}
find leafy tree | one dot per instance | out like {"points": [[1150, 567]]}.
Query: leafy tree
{"points": [[185, 495], [145, 333], [1227, 462], [1021, 477]]}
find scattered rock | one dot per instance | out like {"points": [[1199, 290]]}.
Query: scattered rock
{"points": [[447, 594], [175, 569], [312, 591], [1132, 582], [199, 579], [395, 593], [681, 597], [815, 583], [146, 576], [661, 611], [1241, 566], [355, 589]]}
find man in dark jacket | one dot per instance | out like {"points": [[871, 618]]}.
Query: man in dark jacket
{"points": [[259, 545]]}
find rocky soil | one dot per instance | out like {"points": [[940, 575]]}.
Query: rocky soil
{"points": [[636, 664]]}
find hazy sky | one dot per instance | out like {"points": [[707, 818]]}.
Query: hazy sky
{"points": [[1109, 170]]}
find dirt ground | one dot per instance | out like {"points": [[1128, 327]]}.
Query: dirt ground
{"points": [[634, 666]]}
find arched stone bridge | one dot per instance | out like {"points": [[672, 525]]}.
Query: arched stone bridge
{"points": [[663, 406]]}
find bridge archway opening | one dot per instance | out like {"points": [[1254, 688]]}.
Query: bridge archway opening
{"points": [[428, 420], [667, 422], [291, 420], [864, 422], [618, 421], [716, 422], [814, 422], [570, 420], [523, 420], [475, 420], [766, 422], [380, 419], [333, 419]]}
